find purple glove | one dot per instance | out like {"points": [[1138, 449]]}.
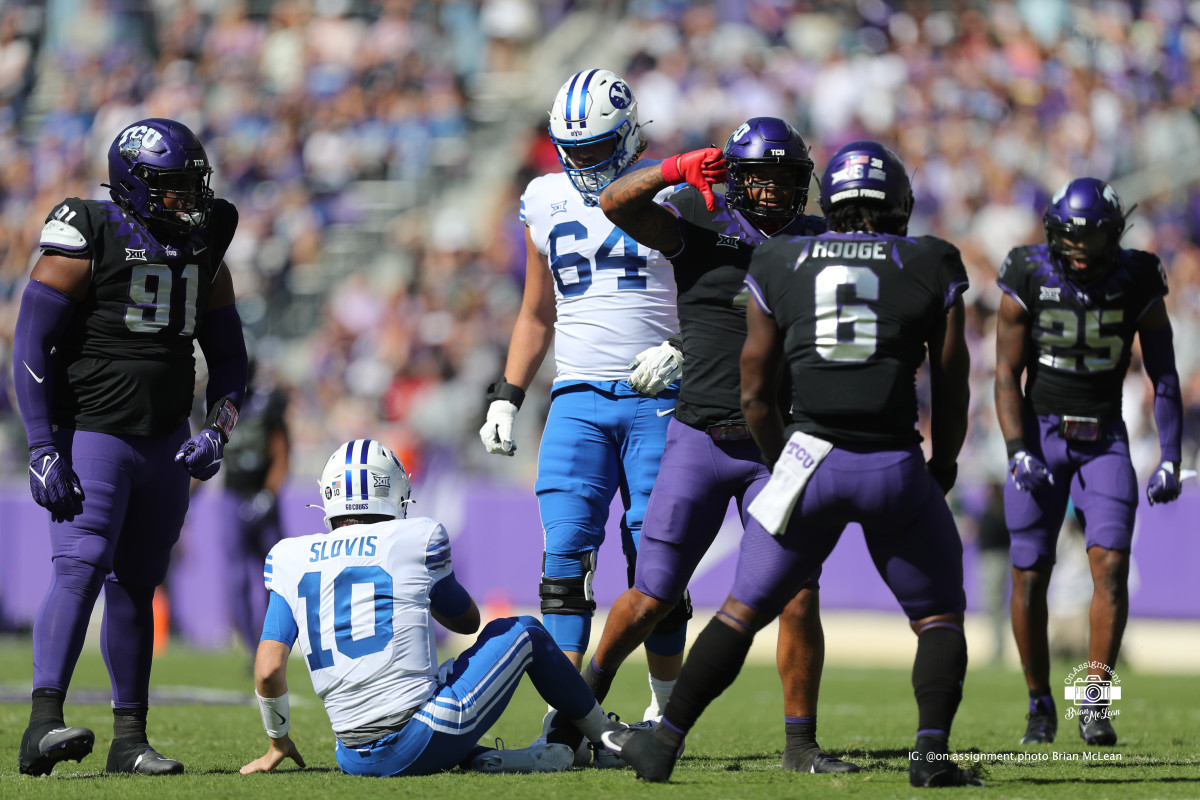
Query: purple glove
{"points": [[201, 454], [54, 485], [1028, 472], [1164, 484]]}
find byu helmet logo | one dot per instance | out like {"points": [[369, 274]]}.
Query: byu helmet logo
{"points": [[619, 95]]}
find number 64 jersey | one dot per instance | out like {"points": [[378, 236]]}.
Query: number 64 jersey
{"points": [[360, 598], [614, 297], [855, 311], [124, 366], [1080, 338]]}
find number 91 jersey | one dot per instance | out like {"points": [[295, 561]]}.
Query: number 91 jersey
{"points": [[124, 366], [1080, 338], [614, 297], [360, 598]]}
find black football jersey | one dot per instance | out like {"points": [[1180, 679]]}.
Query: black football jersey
{"points": [[1081, 336], [710, 272], [125, 364], [855, 311]]}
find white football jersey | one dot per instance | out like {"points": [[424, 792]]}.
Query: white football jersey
{"points": [[614, 296], [360, 597]]}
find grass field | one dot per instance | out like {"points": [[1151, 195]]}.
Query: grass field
{"points": [[867, 714]]}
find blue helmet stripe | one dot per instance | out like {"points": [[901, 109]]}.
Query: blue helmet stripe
{"points": [[583, 98], [570, 94], [362, 473], [362, 477], [349, 490]]}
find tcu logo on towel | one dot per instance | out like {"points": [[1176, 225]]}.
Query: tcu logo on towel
{"points": [[800, 454]]}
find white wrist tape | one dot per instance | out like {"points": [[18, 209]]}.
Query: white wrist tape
{"points": [[276, 714]]}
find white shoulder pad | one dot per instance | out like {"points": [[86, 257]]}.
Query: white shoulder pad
{"points": [[60, 235]]}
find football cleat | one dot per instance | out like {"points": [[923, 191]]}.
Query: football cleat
{"points": [[603, 758], [47, 742], [538, 757], [1096, 728], [128, 755], [930, 766], [1041, 728], [814, 760], [652, 759]]}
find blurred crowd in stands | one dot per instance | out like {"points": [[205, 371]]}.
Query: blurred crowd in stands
{"points": [[347, 133]]}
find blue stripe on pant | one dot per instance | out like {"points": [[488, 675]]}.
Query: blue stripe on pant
{"points": [[446, 728]]}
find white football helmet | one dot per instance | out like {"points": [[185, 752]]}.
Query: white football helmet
{"points": [[595, 107], [364, 477]]}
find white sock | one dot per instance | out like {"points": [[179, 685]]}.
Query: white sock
{"points": [[593, 724], [660, 694]]}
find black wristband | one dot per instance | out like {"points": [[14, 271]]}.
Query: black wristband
{"points": [[503, 390], [222, 418], [1014, 446], [676, 341]]}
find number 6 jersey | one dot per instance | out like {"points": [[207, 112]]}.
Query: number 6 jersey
{"points": [[124, 366], [856, 310], [359, 596], [1080, 338]]}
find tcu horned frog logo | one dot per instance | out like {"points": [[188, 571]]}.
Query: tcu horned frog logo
{"points": [[619, 95]]}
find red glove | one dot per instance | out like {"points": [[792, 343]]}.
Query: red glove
{"points": [[700, 168]]}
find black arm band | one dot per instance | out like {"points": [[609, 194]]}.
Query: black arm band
{"points": [[222, 417], [1014, 446], [503, 390]]}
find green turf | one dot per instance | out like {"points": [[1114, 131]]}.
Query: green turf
{"points": [[867, 715]]}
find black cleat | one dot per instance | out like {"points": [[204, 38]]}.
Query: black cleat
{"points": [[930, 766], [1041, 728], [1095, 727], [815, 760], [127, 755], [47, 742], [650, 757]]}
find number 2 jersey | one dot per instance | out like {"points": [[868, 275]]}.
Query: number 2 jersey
{"points": [[359, 596], [614, 297], [125, 364], [856, 311], [710, 270], [1080, 337]]}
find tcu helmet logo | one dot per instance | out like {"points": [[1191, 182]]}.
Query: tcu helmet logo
{"points": [[742, 130], [133, 139], [1111, 196], [619, 95]]}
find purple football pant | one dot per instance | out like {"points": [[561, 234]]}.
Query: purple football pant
{"points": [[696, 480], [135, 500], [1097, 476], [908, 527]]}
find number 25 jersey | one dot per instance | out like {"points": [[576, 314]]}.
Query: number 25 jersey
{"points": [[1080, 338], [124, 366], [614, 297]]}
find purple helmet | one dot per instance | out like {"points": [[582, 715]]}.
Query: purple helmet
{"points": [[1083, 225], [766, 141], [866, 172], [160, 159]]}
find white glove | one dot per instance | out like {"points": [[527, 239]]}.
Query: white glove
{"points": [[497, 432], [656, 369]]}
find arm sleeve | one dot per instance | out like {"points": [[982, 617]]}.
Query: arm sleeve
{"points": [[448, 597], [43, 319], [1158, 356], [224, 348], [279, 624]]}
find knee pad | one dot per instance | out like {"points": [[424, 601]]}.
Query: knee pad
{"points": [[677, 618], [570, 595]]}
